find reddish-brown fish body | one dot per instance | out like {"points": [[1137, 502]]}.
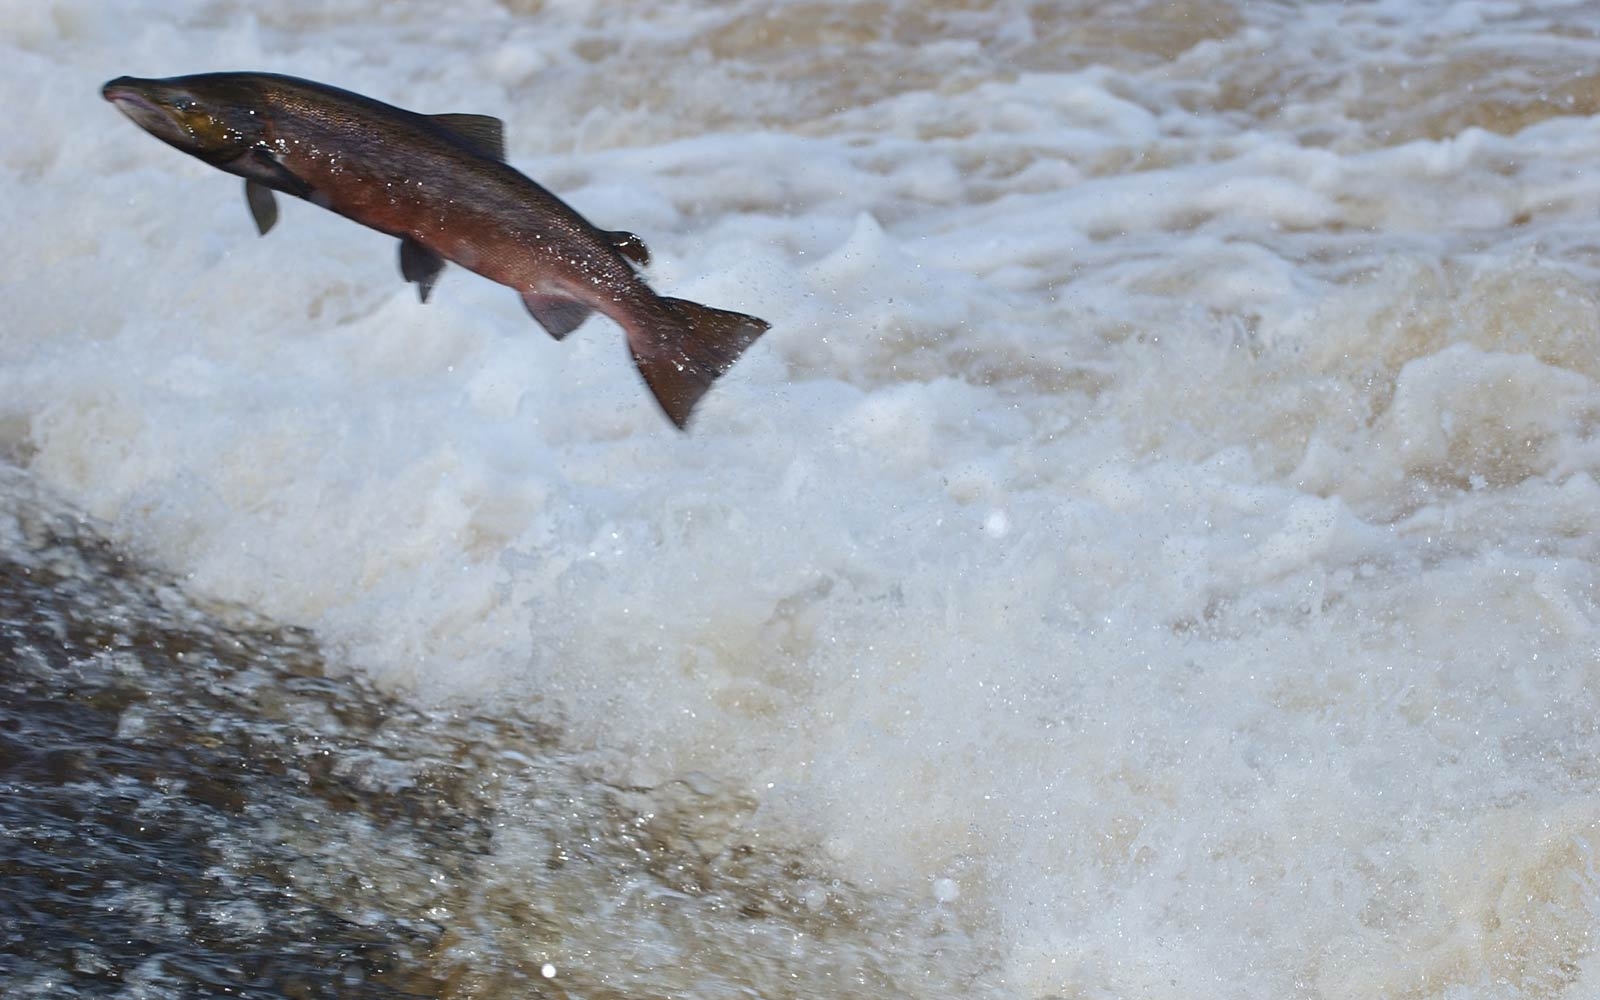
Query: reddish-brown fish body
{"points": [[440, 184]]}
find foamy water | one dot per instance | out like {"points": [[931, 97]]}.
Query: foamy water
{"points": [[1157, 534]]}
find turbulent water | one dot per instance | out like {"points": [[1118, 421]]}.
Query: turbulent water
{"points": [[1153, 553]]}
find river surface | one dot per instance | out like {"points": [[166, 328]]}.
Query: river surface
{"points": [[1152, 555]]}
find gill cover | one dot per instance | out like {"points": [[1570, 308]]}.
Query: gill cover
{"points": [[213, 117]]}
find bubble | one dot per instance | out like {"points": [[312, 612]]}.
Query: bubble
{"points": [[997, 524]]}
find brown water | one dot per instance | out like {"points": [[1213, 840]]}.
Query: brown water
{"points": [[192, 807], [1151, 555]]}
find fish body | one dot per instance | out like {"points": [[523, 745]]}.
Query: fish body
{"points": [[440, 184]]}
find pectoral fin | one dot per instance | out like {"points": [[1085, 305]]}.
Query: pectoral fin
{"points": [[259, 166], [263, 206], [421, 265], [262, 176], [557, 315]]}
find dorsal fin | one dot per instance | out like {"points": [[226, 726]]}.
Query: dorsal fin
{"points": [[630, 246], [483, 134]]}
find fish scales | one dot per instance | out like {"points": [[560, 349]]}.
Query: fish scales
{"points": [[440, 184]]}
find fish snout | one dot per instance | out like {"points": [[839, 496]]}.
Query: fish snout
{"points": [[120, 88], [129, 91], [148, 104]]}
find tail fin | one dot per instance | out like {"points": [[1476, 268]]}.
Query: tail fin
{"points": [[680, 365]]}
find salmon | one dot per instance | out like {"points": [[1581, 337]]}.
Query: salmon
{"points": [[440, 184]]}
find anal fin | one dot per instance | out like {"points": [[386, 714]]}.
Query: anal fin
{"points": [[559, 316], [419, 264]]}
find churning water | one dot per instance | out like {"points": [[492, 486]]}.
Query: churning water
{"points": [[1152, 555]]}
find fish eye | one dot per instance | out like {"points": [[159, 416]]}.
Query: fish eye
{"points": [[183, 105]]}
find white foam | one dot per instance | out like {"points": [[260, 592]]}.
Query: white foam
{"points": [[1157, 526]]}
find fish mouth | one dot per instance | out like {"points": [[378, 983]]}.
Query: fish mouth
{"points": [[134, 99]]}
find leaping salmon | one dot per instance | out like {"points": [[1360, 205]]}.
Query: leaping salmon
{"points": [[441, 184]]}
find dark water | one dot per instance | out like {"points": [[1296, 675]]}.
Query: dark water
{"points": [[190, 806]]}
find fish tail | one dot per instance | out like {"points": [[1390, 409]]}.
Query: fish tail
{"points": [[680, 363]]}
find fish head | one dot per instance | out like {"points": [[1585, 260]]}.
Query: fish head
{"points": [[216, 117]]}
